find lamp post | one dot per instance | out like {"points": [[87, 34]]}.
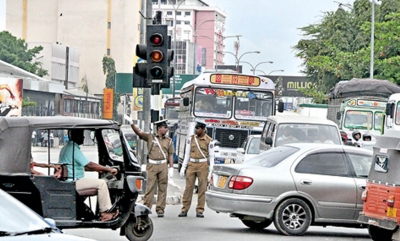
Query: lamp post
{"points": [[238, 59], [371, 74], [174, 61], [276, 70], [255, 67]]}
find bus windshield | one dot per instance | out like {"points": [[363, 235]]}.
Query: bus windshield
{"points": [[358, 119], [253, 105], [213, 103]]}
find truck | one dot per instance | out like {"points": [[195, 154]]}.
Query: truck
{"points": [[359, 104], [233, 105]]}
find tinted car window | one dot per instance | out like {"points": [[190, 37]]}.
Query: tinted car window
{"points": [[272, 157], [333, 164]]}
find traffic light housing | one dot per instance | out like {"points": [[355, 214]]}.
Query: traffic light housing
{"points": [[156, 71], [158, 56]]}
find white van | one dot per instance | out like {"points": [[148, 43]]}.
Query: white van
{"points": [[249, 149], [291, 128]]}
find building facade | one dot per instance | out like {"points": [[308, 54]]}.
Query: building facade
{"points": [[197, 22], [91, 28]]}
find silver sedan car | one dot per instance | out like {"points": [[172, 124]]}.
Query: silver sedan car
{"points": [[294, 186]]}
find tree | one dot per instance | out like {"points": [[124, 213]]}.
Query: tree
{"points": [[15, 51], [338, 48], [109, 71]]}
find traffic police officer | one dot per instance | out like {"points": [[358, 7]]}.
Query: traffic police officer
{"points": [[199, 150], [161, 151]]}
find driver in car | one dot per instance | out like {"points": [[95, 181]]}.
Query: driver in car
{"points": [[82, 164]]}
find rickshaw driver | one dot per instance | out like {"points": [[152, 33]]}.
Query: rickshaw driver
{"points": [[82, 164]]}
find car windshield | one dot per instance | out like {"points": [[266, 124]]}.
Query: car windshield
{"points": [[307, 133], [272, 157], [253, 105], [17, 218]]}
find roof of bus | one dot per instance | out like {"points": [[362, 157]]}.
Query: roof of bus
{"points": [[204, 80]]}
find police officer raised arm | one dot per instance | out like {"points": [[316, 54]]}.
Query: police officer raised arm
{"points": [[161, 151], [199, 150]]}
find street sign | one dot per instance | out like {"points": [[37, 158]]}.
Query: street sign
{"points": [[180, 80], [123, 83]]}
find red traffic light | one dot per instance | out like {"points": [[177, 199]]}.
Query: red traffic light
{"points": [[157, 56], [156, 39]]}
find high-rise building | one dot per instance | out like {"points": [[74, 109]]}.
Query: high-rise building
{"points": [[196, 22], [91, 28]]}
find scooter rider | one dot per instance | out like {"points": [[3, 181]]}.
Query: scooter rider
{"points": [[161, 151], [357, 141], [199, 150]]}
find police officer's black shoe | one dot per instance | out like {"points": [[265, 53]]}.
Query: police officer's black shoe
{"points": [[182, 214], [160, 215], [199, 215]]}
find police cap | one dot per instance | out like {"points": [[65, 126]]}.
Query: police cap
{"points": [[161, 123], [200, 124]]}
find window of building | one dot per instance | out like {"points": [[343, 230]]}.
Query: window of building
{"points": [[187, 22], [163, 1], [169, 13], [154, 2], [187, 13], [203, 57], [186, 35], [179, 13], [170, 23], [178, 22], [170, 32]]}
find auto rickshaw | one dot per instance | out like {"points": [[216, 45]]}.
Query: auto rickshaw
{"points": [[57, 198], [382, 194]]}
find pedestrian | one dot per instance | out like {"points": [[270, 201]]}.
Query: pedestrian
{"points": [[42, 138], [34, 138], [161, 150], [51, 139], [199, 156], [45, 139]]}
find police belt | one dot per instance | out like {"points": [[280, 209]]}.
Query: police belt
{"points": [[157, 161], [198, 160]]}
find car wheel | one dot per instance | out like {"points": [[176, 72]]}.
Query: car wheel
{"points": [[292, 217], [257, 225], [380, 234]]}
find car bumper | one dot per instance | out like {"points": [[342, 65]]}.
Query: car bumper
{"points": [[382, 223], [259, 206]]}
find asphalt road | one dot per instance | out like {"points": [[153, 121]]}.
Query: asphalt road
{"points": [[213, 227]]}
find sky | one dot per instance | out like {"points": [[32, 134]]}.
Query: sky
{"points": [[268, 26], [271, 27]]}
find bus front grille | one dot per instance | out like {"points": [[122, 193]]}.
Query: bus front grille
{"points": [[232, 138]]}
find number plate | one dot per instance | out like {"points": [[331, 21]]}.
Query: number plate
{"points": [[391, 212], [222, 181]]}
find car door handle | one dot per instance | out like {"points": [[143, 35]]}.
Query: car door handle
{"points": [[362, 187], [306, 182]]}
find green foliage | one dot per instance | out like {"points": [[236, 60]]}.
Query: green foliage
{"points": [[27, 102], [109, 71], [318, 96], [338, 48], [15, 51]]}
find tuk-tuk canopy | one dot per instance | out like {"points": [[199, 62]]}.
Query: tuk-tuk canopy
{"points": [[386, 160], [15, 137]]}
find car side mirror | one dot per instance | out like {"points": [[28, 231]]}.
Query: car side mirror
{"points": [[338, 115], [240, 150], [281, 106], [389, 109], [186, 101], [268, 140]]}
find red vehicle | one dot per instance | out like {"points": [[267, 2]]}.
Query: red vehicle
{"points": [[382, 194], [171, 107]]}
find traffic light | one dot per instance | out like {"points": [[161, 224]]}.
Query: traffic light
{"points": [[158, 56], [153, 70]]}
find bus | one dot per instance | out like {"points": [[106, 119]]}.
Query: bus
{"points": [[171, 108], [233, 105]]}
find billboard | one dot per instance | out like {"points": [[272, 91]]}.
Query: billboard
{"points": [[10, 96], [108, 103]]}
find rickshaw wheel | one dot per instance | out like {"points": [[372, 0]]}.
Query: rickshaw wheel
{"points": [[379, 234], [141, 230]]}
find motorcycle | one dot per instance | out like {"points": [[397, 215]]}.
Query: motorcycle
{"points": [[56, 197]]}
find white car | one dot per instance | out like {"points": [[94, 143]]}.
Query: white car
{"points": [[21, 223], [249, 149]]}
